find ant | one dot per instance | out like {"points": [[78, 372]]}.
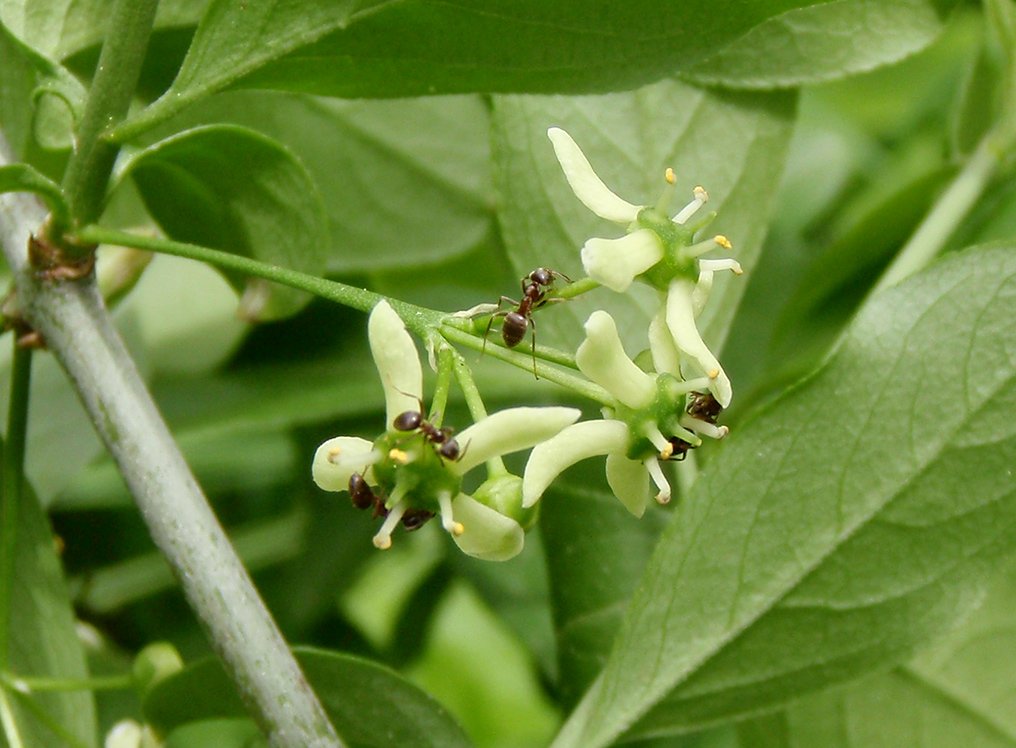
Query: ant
{"points": [[681, 449], [517, 321], [703, 406], [363, 497], [413, 420]]}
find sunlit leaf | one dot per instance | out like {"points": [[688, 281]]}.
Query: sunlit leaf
{"points": [[845, 526]]}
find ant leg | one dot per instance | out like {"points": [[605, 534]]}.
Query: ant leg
{"points": [[532, 323], [486, 333]]}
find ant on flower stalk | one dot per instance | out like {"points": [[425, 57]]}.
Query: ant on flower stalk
{"points": [[535, 287]]}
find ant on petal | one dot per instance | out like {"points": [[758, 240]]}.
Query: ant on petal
{"points": [[518, 320]]}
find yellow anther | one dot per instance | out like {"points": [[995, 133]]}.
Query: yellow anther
{"points": [[722, 241], [662, 498], [670, 176], [700, 193], [382, 543], [333, 454], [398, 455], [457, 529], [667, 451], [713, 373]]}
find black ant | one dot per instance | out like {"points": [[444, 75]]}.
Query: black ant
{"points": [[681, 449], [517, 321], [363, 497], [703, 406], [413, 420]]}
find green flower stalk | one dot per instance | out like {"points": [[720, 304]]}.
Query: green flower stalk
{"points": [[660, 250], [414, 469]]}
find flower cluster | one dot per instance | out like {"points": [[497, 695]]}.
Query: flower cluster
{"points": [[414, 470], [408, 477], [660, 250], [658, 416]]}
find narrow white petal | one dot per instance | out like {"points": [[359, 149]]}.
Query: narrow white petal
{"points": [[337, 459], [588, 187], [703, 288], [577, 442], [681, 321], [397, 361], [486, 534], [509, 431], [601, 357], [629, 480], [661, 345], [616, 262]]}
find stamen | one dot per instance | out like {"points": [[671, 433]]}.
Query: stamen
{"points": [[723, 241], [397, 455], [444, 500], [383, 538], [670, 176], [663, 446], [706, 266], [700, 248], [704, 427], [713, 373], [700, 196], [653, 466]]}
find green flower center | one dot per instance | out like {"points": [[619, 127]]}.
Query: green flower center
{"points": [[413, 471], [673, 238]]}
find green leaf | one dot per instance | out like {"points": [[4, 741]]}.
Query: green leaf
{"points": [[404, 183], [583, 526], [846, 525], [380, 48], [44, 642], [369, 705], [959, 692], [823, 42], [981, 99], [732, 144], [59, 28], [217, 733], [38, 98], [24, 178], [234, 189]]}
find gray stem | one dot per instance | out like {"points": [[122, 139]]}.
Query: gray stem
{"points": [[76, 326]]}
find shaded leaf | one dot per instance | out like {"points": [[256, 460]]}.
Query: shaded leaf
{"points": [[59, 28], [369, 705], [38, 98], [24, 178], [404, 183], [823, 42], [591, 582], [234, 189], [43, 640], [349, 49], [848, 524]]}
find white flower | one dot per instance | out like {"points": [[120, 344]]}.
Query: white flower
{"points": [[658, 248], [632, 435], [414, 480]]}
